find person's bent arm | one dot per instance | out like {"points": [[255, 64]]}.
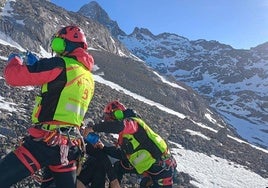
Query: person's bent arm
{"points": [[109, 127], [43, 71]]}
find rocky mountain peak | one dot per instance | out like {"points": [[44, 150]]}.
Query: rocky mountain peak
{"points": [[94, 11], [144, 31], [262, 49]]}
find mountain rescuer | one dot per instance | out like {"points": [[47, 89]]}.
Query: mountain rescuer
{"points": [[146, 151], [67, 87]]}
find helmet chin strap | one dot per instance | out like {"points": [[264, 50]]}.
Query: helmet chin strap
{"points": [[64, 53]]}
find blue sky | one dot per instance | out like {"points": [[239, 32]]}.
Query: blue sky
{"points": [[239, 23]]}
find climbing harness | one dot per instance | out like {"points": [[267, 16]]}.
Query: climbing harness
{"points": [[30, 163], [166, 162], [64, 136], [27, 159]]}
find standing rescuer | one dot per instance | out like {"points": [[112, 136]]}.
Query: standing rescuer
{"points": [[67, 87], [145, 150]]}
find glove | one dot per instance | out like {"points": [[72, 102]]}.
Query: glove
{"points": [[92, 138], [13, 55], [30, 58]]}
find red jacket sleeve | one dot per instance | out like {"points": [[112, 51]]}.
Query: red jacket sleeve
{"points": [[17, 74]]}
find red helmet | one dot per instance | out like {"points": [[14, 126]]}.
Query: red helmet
{"points": [[112, 106], [73, 34]]}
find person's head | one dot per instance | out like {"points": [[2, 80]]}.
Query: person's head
{"points": [[68, 39], [114, 111]]}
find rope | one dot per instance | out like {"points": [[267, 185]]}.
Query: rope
{"points": [[39, 179]]}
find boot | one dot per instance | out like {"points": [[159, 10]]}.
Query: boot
{"points": [[114, 184]]}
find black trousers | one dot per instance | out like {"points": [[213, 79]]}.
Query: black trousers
{"points": [[12, 170], [96, 168], [93, 173]]}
